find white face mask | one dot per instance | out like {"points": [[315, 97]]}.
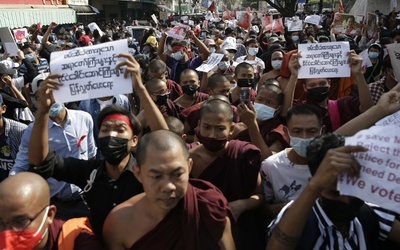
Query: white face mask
{"points": [[212, 37], [300, 145], [169, 47], [223, 65], [264, 112], [239, 40], [295, 38], [276, 64], [212, 50], [253, 51]]}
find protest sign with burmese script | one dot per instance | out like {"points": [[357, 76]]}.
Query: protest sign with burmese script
{"points": [[89, 72], [324, 60], [379, 167]]}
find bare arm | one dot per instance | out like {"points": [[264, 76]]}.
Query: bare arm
{"points": [[38, 144], [202, 47], [160, 50], [248, 117], [288, 92], [226, 241], [204, 83], [111, 235], [387, 104], [355, 62], [45, 39], [154, 117], [394, 234]]}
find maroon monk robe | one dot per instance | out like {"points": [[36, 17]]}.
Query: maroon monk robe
{"points": [[271, 131], [169, 109], [235, 172], [201, 97], [197, 222], [175, 89], [348, 107]]}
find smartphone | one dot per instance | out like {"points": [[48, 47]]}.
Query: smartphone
{"points": [[245, 95]]}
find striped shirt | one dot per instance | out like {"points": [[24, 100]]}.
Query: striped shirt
{"points": [[325, 235]]}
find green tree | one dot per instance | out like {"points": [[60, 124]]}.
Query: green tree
{"points": [[287, 8]]}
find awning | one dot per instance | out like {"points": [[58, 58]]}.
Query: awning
{"points": [[165, 8], [16, 17], [84, 9]]}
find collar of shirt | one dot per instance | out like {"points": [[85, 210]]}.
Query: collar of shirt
{"points": [[129, 167], [67, 122]]}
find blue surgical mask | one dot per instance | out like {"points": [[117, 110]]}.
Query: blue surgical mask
{"points": [[295, 38], [253, 51], [177, 55], [30, 57], [300, 145], [55, 109], [373, 54], [264, 112]]}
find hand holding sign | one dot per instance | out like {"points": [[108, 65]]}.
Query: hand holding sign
{"points": [[45, 92], [336, 161], [355, 62], [294, 64], [132, 68]]}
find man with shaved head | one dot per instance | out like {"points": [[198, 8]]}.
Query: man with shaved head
{"points": [[173, 212], [232, 166], [27, 218], [158, 70]]}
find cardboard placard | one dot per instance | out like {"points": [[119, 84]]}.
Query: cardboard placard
{"points": [[93, 26], [20, 35], [212, 61], [313, 19], [394, 54], [8, 41], [178, 31], [347, 24]]}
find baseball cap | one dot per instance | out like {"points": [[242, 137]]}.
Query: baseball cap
{"points": [[273, 39], [84, 40], [6, 69], [36, 81], [229, 44]]}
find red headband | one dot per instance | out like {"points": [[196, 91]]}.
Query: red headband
{"points": [[119, 117], [178, 47]]}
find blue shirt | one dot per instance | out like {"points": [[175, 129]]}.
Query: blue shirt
{"points": [[192, 63], [75, 140]]}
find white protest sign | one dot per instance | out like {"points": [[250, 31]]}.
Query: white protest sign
{"points": [[154, 18], [366, 61], [392, 119], [179, 31], [324, 60], [380, 167], [89, 72], [313, 19], [394, 54], [295, 25], [8, 41], [93, 26], [212, 61]]}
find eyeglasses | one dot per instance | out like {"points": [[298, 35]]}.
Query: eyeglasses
{"points": [[20, 224]]}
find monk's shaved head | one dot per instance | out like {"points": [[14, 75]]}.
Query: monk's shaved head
{"points": [[217, 106], [26, 187], [219, 97], [175, 125], [161, 140], [154, 84]]}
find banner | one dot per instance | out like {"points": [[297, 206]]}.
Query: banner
{"points": [[380, 167], [178, 31], [89, 72], [347, 24], [324, 60]]}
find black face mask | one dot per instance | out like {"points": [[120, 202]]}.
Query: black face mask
{"points": [[161, 100], [245, 83], [211, 144], [318, 94], [114, 149], [341, 211], [190, 89]]}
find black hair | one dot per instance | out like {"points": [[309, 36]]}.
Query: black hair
{"points": [[318, 148], [216, 78], [115, 109], [217, 106], [304, 109], [242, 65]]}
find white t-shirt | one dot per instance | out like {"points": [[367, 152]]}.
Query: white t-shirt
{"points": [[255, 63], [283, 180]]}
